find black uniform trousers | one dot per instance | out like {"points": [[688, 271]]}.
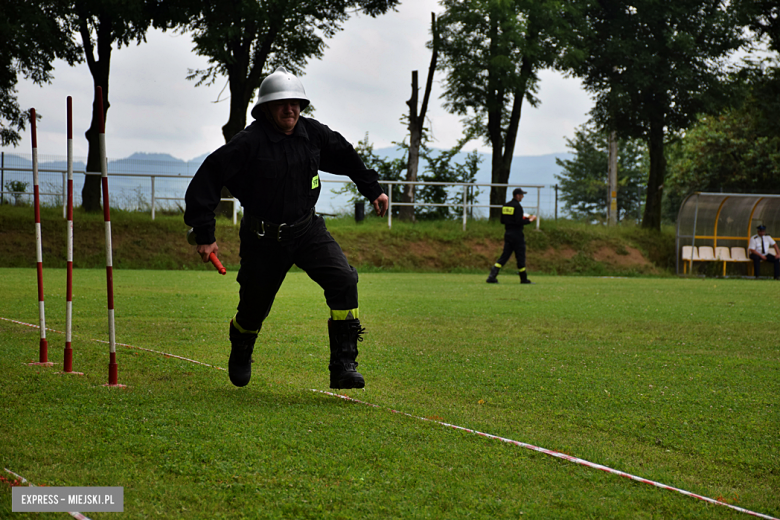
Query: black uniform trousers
{"points": [[266, 261], [769, 258], [514, 242]]}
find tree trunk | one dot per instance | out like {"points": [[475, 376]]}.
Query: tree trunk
{"points": [[243, 80], [91, 193], [413, 161], [235, 123], [655, 181], [503, 144], [238, 105], [500, 175], [503, 149], [416, 125], [99, 69]]}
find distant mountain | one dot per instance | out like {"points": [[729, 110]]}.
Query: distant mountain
{"points": [[527, 170], [143, 156], [139, 163], [199, 159]]}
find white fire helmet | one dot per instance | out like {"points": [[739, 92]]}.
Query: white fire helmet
{"points": [[281, 84]]}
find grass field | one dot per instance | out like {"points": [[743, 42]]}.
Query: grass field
{"points": [[673, 380]]}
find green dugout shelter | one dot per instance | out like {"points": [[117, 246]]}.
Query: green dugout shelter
{"points": [[716, 227]]}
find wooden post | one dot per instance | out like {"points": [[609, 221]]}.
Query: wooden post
{"points": [[613, 184]]}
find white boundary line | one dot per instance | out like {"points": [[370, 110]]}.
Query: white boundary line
{"points": [[74, 514], [553, 453]]}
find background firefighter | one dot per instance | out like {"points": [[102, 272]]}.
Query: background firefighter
{"points": [[272, 168], [514, 219]]}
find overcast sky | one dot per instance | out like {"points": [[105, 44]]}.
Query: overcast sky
{"points": [[361, 85]]}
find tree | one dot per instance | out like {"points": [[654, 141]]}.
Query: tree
{"points": [[32, 36], [101, 24], [244, 39], [440, 167], [654, 68], [737, 151], [387, 169], [492, 51], [763, 18], [584, 185], [417, 125]]}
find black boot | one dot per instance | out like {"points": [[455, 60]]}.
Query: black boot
{"points": [[524, 277], [344, 337], [240, 362], [493, 273]]}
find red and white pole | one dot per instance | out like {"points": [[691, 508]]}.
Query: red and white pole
{"points": [[43, 350], [68, 363], [113, 372]]}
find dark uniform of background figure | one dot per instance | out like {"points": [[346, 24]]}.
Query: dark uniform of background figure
{"points": [[272, 168], [513, 218]]}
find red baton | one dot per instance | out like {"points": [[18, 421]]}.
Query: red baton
{"points": [[217, 263]]}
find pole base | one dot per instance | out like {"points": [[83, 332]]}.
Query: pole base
{"points": [[43, 352], [67, 365], [113, 371]]}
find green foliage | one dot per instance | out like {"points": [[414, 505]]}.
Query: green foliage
{"points": [[651, 61], [17, 189], [763, 18], [584, 179], [654, 68], [482, 45], [667, 379], [32, 36], [439, 167], [442, 167], [492, 52], [737, 151], [101, 25], [388, 170], [245, 39]]}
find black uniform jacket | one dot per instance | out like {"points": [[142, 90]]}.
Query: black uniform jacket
{"points": [[274, 176], [512, 216]]}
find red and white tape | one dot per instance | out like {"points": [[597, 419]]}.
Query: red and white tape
{"points": [[74, 514], [120, 344], [553, 453], [559, 455]]}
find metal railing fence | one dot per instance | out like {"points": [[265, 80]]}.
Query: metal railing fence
{"points": [[465, 205], [174, 185]]}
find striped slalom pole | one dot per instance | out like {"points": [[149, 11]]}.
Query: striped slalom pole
{"points": [[113, 371], [68, 363], [43, 349]]}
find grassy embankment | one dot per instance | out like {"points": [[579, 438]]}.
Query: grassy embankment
{"points": [[562, 247]]}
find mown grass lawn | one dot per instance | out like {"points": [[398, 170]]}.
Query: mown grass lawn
{"points": [[674, 380]]}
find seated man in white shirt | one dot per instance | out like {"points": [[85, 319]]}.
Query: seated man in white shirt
{"points": [[763, 247]]}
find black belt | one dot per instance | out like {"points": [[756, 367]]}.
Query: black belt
{"points": [[281, 232]]}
